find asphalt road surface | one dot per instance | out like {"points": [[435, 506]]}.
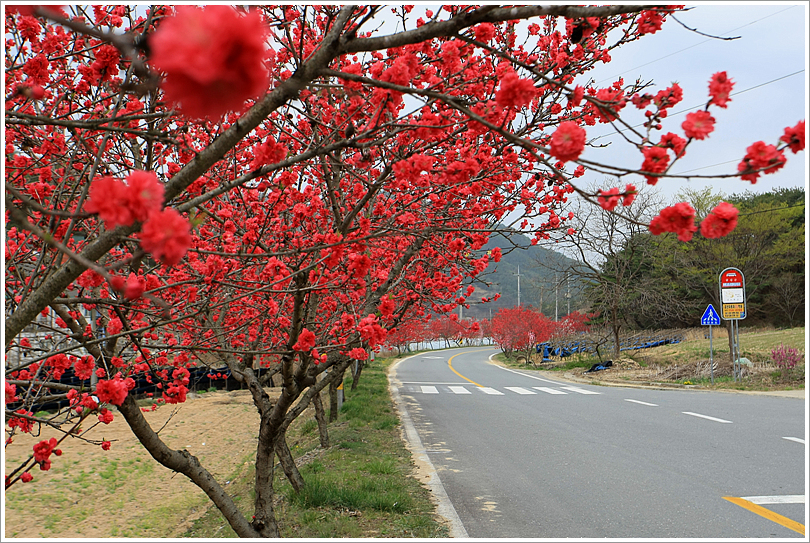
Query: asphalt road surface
{"points": [[522, 456]]}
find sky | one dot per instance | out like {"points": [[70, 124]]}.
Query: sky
{"points": [[768, 64]]}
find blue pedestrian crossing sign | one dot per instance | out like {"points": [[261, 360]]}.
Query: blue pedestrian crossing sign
{"points": [[710, 317]]}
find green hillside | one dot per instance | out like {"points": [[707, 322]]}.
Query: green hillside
{"points": [[537, 283]]}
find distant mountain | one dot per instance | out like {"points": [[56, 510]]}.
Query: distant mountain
{"points": [[538, 285]]}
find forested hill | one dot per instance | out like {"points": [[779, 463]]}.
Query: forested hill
{"points": [[537, 283]]}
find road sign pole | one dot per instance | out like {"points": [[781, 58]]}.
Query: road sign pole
{"points": [[711, 353]]}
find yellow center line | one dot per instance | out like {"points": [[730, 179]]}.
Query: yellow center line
{"points": [[450, 365], [768, 514]]}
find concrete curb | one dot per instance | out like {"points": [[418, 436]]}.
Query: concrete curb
{"points": [[568, 376], [571, 378], [444, 507]]}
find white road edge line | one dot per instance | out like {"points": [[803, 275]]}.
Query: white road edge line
{"points": [[706, 417], [444, 506], [796, 439], [770, 500], [520, 372], [642, 403]]}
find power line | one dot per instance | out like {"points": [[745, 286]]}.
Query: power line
{"points": [[695, 45], [701, 105]]}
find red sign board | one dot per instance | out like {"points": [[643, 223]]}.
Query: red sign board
{"points": [[731, 279], [732, 294]]}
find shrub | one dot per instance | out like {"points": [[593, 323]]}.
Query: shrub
{"points": [[786, 357]]}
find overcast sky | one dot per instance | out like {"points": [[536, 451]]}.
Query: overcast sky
{"points": [[768, 64]]}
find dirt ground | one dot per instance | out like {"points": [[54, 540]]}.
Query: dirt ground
{"points": [[92, 493]]}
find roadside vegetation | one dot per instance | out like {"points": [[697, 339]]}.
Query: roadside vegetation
{"points": [[777, 360], [361, 486]]}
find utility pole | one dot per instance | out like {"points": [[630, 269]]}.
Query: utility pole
{"points": [[518, 276], [556, 298], [568, 290]]}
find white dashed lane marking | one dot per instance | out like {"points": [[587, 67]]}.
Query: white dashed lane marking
{"points": [[640, 402], [707, 417], [428, 389], [796, 439]]}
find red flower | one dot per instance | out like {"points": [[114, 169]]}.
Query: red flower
{"points": [[84, 367], [614, 102], [649, 22], [105, 416], [698, 125], [133, 289], [358, 354], [112, 391], [268, 152], [43, 449], [371, 331], [568, 141], [674, 142], [483, 32], [386, 307], [26, 477], [721, 221], [609, 199], [794, 137], [656, 160], [306, 341], [167, 235], [90, 279], [108, 198], [629, 194], [11, 393], [670, 97], [679, 219], [514, 91], [720, 88], [105, 445], [212, 58], [760, 155], [114, 326], [575, 98], [144, 194], [496, 254], [359, 265]]}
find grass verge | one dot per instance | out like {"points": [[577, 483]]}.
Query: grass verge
{"points": [[755, 345], [360, 487]]}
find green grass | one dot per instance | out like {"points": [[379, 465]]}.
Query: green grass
{"points": [[755, 344], [359, 487]]}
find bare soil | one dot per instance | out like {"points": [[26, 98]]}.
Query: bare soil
{"points": [[92, 493]]}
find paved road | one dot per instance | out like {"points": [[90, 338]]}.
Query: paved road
{"points": [[522, 456]]}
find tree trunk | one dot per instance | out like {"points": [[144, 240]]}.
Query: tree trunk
{"points": [[320, 416], [729, 327], [356, 374], [188, 465], [333, 400], [288, 463]]}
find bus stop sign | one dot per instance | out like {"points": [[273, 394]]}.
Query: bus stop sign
{"points": [[732, 294]]}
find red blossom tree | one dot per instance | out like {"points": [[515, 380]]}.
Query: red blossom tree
{"points": [[277, 187], [519, 329]]}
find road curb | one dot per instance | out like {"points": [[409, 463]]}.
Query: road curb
{"points": [[571, 378], [444, 507]]}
